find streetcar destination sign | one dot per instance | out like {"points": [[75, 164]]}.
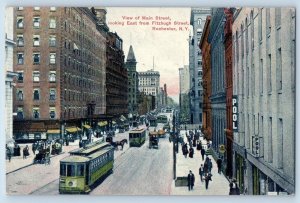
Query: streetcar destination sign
{"points": [[234, 113]]}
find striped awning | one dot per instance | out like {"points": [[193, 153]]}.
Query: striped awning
{"points": [[53, 131], [72, 129], [87, 126], [102, 123]]}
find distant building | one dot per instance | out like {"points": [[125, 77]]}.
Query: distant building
{"points": [[149, 83], [133, 82], [116, 78], [264, 64], [184, 82], [60, 58], [197, 20]]}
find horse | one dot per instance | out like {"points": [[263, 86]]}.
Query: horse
{"points": [[121, 143]]}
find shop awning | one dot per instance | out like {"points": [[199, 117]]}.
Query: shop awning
{"points": [[53, 131], [102, 123], [72, 129], [113, 122], [87, 126]]}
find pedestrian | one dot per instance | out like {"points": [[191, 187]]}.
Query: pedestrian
{"points": [[202, 153], [219, 164], [25, 152], [8, 153], [201, 172], [233, 188], [191, 152], [207, 179], [33, 148], [185, 150], [191, 180], [209, 164]]}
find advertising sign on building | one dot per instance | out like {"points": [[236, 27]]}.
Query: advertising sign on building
{"points": [[235, 113]]}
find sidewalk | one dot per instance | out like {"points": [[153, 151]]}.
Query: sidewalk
{"points": [[18, 162], [218, 186]]}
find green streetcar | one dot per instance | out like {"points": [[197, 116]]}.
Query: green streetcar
{"points": [[80, 172], [137, 137]]}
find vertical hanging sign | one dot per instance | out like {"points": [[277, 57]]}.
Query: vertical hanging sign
{"points": [[235, 113]]}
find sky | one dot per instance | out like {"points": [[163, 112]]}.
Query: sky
{"points": [[168, 47]]}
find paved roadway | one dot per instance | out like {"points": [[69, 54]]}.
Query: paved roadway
{"points": [[137, 171]]}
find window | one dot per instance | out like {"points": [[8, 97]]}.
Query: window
{"points": [[199, 72], [270, 141], [52, 58], [80, 169], [36, 22], [36, 76], [36, 40], [20, 22], [52, 94], [199, 53], [20, 40], [199, 62], [36, 94], [36, 58], [20, 95], [70, 170], [269, 72], [52, 112], [63, 169], [20, 76], [52, 23], [268, 21], [20, 57], [199, 31], [20, 114], [52, 76], [36, 8], [279, 69], [36, 113], [52, 8], [199, 21], [52, 41]]}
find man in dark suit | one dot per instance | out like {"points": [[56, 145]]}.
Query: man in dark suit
{"points": [[191, 180]]}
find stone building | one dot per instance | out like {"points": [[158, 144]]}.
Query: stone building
{"points": [[184, 86], [133, 82], [10, 75], [206, 66], [218, 93], [149, 83], [264, 60], [197, 20], [60, 57], [116, 78]]}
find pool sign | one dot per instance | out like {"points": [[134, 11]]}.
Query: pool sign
{"points": [[234, 113]]}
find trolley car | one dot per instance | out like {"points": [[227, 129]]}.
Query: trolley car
{"points": [[137, 137], [153, 140], [85, 168]]}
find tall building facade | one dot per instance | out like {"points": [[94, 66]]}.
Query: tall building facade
{"points": [[229, 89], [10, 75], [197, 20], [60, 59], [133, 82], [149, 83], [116, 77], [206, 66], [184, 86], [264, 59], [218, 93]]}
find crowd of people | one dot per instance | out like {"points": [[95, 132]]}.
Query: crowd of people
{"points": [[205, 169]]}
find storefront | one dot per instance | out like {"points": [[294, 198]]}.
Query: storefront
{"points": [[53, 134], [240, 171], [72, 133]]}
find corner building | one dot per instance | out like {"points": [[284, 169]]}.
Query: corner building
{"points": [[264, 84], [60, 58]]}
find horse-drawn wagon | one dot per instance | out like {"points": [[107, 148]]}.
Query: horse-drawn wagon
{"points": [[153, 140]]}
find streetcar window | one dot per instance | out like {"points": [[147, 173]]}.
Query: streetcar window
{"points": [[70, 170], [80, 170], [63, 169]]}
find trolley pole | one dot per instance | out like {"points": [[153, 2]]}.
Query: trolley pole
{"points": [[174, 152]]}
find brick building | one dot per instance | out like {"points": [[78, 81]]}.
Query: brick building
{"points": [[228, 86], [206, 66], [60, 58], [116, 78]]}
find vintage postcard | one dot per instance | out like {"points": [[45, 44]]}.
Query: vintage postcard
{"points": [[150, 101]]}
